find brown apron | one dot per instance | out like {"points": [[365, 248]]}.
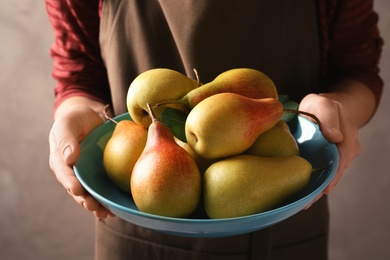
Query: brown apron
{"points": [[279, 38]]}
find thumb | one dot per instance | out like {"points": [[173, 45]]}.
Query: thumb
{"points": [[331, 132], [328, 113], [70, 151], [331, 125], [70, 129], [64, 137], [63, 154]]}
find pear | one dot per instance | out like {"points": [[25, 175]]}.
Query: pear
{"points": [[277, 141], [203, 163], [122, 152], [227, 124], [244, 81], [245, 184], [165, 180], [154, 86]]}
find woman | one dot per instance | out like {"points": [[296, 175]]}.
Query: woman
{"points": [[323, 54]]}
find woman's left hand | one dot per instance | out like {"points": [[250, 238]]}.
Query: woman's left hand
{"points": [[337, 127]]}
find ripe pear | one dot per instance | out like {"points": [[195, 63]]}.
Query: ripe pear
{"points": [[277, 141], [244, 81], [227, 124], [203, 163], [245, 184], [122, 152], [165, 180], [154, 86]]}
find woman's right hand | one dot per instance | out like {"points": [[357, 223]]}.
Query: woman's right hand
{"points": [[73, 122]]}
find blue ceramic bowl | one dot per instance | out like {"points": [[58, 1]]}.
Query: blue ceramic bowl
{"points": [[90, 171]]}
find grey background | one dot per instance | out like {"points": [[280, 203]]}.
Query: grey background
{"points": [[38, 220]]}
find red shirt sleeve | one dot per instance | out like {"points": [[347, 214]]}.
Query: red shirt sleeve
{"points": [[351, 46], [77, 63], [351, 41]]}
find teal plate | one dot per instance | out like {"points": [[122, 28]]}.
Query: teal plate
{"points": [[90, 171]]}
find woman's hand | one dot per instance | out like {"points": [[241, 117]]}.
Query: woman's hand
{"points": [[341, 113], [337, 127], [70, 127]]}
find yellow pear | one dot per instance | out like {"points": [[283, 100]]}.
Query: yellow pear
{"points": [[227, 124], [203, 163], [154, 86], [122, 151], [245, 184], [243, 81], [277, 141], [165, 180]]}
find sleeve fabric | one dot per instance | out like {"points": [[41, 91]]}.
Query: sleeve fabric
{"points": [[77, 64], [352, 44], [350, 38]]}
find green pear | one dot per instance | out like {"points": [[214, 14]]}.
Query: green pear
{"points": [[154, 86], [203, 163], [122, 152], [277, 141], [227, 124], [244, 81], [245, 184], [165, 180]]}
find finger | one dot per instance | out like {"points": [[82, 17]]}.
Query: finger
{"points": [[90, 204], [63, 172], [102, 213], [64, 138], [70, 129], [348, 149], [65, 135], [327, 112], [334, 181], [314, 201]]}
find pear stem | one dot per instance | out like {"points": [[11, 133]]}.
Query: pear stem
{"points": [[197, 77], [151, 113], [306, 114], [106, 115], [179, 101], [319, 169], [171, 102]]}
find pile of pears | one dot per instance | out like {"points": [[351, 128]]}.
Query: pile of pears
{"points": [[238, 157]]}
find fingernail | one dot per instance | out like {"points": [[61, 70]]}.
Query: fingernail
{"points": [[67, 152], [336, 131]]}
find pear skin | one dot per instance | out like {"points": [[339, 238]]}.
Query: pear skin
{"points": [[202, 163], [277, 141], [165, 180], [154, 86], [245, 184], [122, 152], [244, 81], [227, 124]]}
